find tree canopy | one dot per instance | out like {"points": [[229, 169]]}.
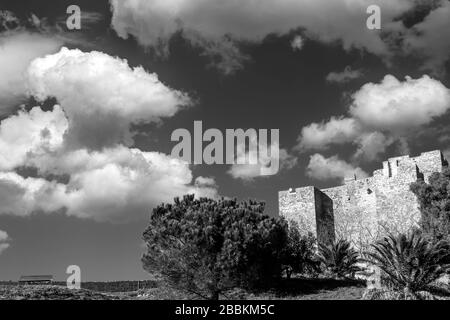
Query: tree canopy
{"points": [[434, 199], [206, 246]]}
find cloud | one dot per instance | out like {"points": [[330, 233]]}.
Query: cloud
{"points": [[101, 95], [371, 145], [344, 76], [80, 150], [17, 50], [248, 172], [8, 21], [319, 136], [297, 43], [23, 196], [44, 134], [380, 115], [4, 239], [400, 106], [322, 168], [431, 38], [153, 23], [446, 153], [118, 184], [205, 182]]}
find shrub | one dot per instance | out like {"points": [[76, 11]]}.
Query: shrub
{"points": [[434, 200], [410, 262], [299, 255], [385, 294], [339, 259], [206, 246]]}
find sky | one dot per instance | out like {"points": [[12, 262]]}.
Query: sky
{"points": [[87, 114]]}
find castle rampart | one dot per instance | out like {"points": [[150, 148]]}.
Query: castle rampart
{"points": [[362, 210]]}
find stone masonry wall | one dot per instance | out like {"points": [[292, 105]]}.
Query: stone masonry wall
{"points": [[363, 210]]}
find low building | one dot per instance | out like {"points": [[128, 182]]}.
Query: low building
{"points": [[45, 279]]}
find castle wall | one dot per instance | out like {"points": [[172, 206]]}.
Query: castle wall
{"points": [[354, 206], [363, 210], [299, 205], [307, 206]]}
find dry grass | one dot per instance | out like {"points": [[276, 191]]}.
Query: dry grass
{"points": [[293, 289], [49, 292]]}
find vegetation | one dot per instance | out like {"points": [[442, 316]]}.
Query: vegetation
{"points": [[205, 247], [299, 254], [434, 199], [410, 262], [49, 292], [339, 259]]}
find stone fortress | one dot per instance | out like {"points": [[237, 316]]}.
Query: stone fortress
{"points": [[362, 210]]}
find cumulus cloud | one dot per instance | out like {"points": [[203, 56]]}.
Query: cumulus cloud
{"points": [[380, 115], [322, 168], [154, 22], [431, 38], [371, 145], [23, 196], [101, 95], [43, 134], [84, 166], [400, 105], [337, 130], [17, 50], [344, 76], [4, 239], [117, 184], [248, 172]]}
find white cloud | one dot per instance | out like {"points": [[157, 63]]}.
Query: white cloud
{"points": [[84, 167], [297, 43], [101, 95], [344, 76], [381, 114], [371, 145], [118, 184], [17, 50], [322, 168], [154, 22], [205, 182], [337, 130], [400, 106], [23, 196], [4, 239], [431, 38], [249, 172], [30, 134]]}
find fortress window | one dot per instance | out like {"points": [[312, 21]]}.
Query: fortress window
{"points": [[369, 191]]}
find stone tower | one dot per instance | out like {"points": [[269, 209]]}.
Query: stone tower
{"points": [[362, 210]]}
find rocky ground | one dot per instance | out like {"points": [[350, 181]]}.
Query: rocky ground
{"points": [[325, 290], [49, 292]]}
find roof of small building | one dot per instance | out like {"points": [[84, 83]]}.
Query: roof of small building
{"points": [[36, 278]]}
